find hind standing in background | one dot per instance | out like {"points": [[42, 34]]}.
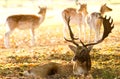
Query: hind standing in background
{"points": [[77, 17], [95, 22], [23, 22]]}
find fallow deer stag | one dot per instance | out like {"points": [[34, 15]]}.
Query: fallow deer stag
{"points": [[81, 59], [95, 22], [77, 17], [23, 22], [53, 70]]}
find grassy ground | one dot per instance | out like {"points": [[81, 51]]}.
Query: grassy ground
{"points": [[50, 45]]}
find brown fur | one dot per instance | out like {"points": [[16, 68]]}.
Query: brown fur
{"points": [[95, 22], [82, 59], [53, 70], [76, 16], [104, 8], [17, 21], [23, 22]]}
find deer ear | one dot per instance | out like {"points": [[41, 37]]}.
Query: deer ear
{"points": [[39, 7], [73, 48], [78, 3], [104, 4]]}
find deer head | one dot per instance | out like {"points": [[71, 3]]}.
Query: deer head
{"points": [[81, 59], [105, 8], [82, 8], [42, 10]]}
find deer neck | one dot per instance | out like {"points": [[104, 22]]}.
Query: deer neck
{"points": [[102, 11], [83, 11], [41, 17]]}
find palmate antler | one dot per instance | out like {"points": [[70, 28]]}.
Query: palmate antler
{"points": [[108, 26], [81, 53]]}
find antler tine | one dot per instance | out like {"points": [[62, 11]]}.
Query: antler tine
{"points": [[111, 21], [82, 43], [109, 18], [71, 33], [108, 26]]}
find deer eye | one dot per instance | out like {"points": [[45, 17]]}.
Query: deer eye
{"points": [[76, 57]]}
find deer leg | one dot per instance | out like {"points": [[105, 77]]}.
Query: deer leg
{"points": [[98, 32], [90, 35], [80, 32], [64, 31], [84, 32], [6, 39], [96, 35], [32, 36]]}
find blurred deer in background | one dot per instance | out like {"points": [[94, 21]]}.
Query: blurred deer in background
{"points": [[95, 22], [81, 59], [77, 17], [23, 22]]}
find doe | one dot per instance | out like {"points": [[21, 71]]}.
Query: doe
{"points": [[77, 17], [95, 22], [22, 21]]}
